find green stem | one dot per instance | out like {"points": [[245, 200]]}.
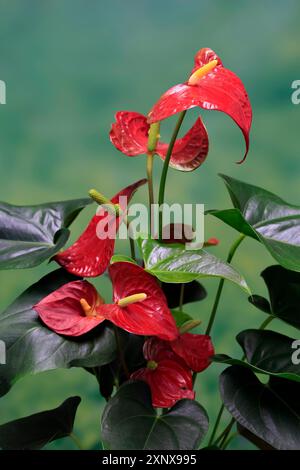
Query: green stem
{"points": [[76, 441], [227, 432], [266, 322], [181, 297], [131, 241], [150, 185], [230, 438], [132, 248], [231, 253], [224, 434], [164, 173], [214, 431], [150, 177]]}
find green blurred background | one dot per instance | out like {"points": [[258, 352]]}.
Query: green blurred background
{"points": [[69, 65]]}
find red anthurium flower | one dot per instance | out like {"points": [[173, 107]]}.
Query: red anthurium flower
{"points": [[139, 307], [210, 86], [166, 374], [71, 310], [90, 254], [151, 317], [195, 350], [129, 134]]}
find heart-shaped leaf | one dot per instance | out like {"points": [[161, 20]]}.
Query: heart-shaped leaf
{"points": [[264, 216], [267, 352], [193, 292], [284, 292], [129, 422], [37, 430], [271, 412], [31, 347], [31, 234], [260, 443], [174, 264]]}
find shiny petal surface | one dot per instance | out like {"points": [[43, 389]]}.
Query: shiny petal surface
{"points": [[90, 254], [195, 350], [151, 317], [219, 90], [190, 151], [169, 383], [61, 310], [171, 380], [129, 133], [203, 57]]}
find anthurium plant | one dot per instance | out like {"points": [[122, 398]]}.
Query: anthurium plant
{"points": [[144, 351]]}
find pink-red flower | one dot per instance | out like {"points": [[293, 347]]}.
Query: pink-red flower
{"points": [[170, 364], [195, 350], [90, 254], [210, 86], [139, 305], [166, 374], [129, 134]]}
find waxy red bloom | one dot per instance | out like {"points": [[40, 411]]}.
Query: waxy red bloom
{"points": [[170, 365], [166, 374], [139, 305], [89, 255], [210, 86], [195, 350], [129, 134]]}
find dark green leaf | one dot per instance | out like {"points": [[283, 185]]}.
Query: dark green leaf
{"points": [[267, 352], [35, 431], [106, 380], [264, 216], [260, 443], [31, 347], [271, 412], [31, 234], [130, 422], [261, 303], [284, 292], [193, 292], [177, 265]]}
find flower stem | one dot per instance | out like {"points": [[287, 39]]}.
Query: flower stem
{"points": [[132, 248], [231, 253], [266, 322], [230, 438], [131, 241], [161, 196], [215, 428], [150, 177], [225, 433], [150, 186], [181, 297], [153, 138]]}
